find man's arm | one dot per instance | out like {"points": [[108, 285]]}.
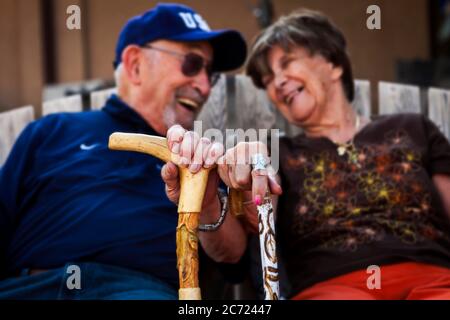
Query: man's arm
{"points": [[12, 175], [228, 243], [442, 183]]}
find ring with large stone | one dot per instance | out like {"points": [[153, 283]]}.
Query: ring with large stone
{"points": [[259, 162]]}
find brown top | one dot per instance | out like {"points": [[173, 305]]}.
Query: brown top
{"points": [[373, 205]]}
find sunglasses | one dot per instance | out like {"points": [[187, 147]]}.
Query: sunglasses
{"points": [[192, 64]]}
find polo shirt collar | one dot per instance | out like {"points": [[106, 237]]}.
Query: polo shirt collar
{"points": [[117, 108]]}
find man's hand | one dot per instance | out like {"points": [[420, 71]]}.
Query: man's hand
{"points": [[194, 153]]}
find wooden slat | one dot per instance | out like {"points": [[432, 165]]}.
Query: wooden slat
{"points": [[362, 102], [98, 98], [11, 125], [68, 104], [398, 98], [439, 109]]}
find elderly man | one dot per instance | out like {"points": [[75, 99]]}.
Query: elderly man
{"points": [[78, 221]]}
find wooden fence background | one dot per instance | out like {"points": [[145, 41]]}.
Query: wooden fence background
{"points": [[392, 98]]}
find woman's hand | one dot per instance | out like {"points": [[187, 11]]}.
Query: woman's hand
{"points": [[194, 153], [236, 171]]}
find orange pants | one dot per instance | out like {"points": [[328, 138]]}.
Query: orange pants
{"points": [[402, 281]]}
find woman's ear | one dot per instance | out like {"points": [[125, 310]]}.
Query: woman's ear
{"points": [[131, 60], [336, 72]]}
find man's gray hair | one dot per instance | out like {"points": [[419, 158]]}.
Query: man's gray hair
{"points": [[118, 74]]}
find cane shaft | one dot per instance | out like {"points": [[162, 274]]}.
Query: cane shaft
{"points": [[269, 260], [193, 187], [187, 256]]}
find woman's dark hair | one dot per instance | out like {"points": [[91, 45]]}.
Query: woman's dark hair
{"points": [[310, 30]]}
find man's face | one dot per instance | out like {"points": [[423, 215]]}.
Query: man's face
{"points": [[172, 96]]}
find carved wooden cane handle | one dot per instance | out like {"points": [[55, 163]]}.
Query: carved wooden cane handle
{"points": [[193, 187]]}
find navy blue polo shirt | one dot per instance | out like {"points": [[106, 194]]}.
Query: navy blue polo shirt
{"points": [[65, 197]]}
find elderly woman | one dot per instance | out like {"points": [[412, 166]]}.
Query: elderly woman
{"points": [[356, 192]]}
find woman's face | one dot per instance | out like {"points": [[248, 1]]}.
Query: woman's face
{"points": [[301, 85]]}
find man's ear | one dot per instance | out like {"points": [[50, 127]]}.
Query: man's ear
{"points": [[131, 60]]}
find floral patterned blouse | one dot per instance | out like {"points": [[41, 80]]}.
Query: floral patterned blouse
{"points": [[371, 202]]}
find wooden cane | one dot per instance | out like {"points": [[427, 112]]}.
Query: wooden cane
{"points": [[193, 187]]}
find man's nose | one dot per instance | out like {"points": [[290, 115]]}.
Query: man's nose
{"points": [[203, 84]]}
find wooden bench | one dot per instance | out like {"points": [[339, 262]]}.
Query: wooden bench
{"points": [[362, 102], [68, 104], [398, 98], [98, 98], [439, 109], [11, 125]]}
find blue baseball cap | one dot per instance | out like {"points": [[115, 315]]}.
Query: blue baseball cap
{"points": [[177, 22]]}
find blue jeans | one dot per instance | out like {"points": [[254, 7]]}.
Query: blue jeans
{"points": [[97, 282]]}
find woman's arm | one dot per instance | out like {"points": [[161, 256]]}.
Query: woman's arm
{"points": [[442, 183]]}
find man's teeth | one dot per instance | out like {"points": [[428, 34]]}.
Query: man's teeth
{"points": [[188, 103]]}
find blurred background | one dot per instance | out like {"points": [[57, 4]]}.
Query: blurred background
{"points": [[41, 60], [38, 54]]}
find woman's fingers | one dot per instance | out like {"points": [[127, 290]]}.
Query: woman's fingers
{"points": [[236, 171], [274, 184], [243, 176], [259, 185], [231, 163]]}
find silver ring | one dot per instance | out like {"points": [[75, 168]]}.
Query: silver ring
{"points": [[259, 162]]}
